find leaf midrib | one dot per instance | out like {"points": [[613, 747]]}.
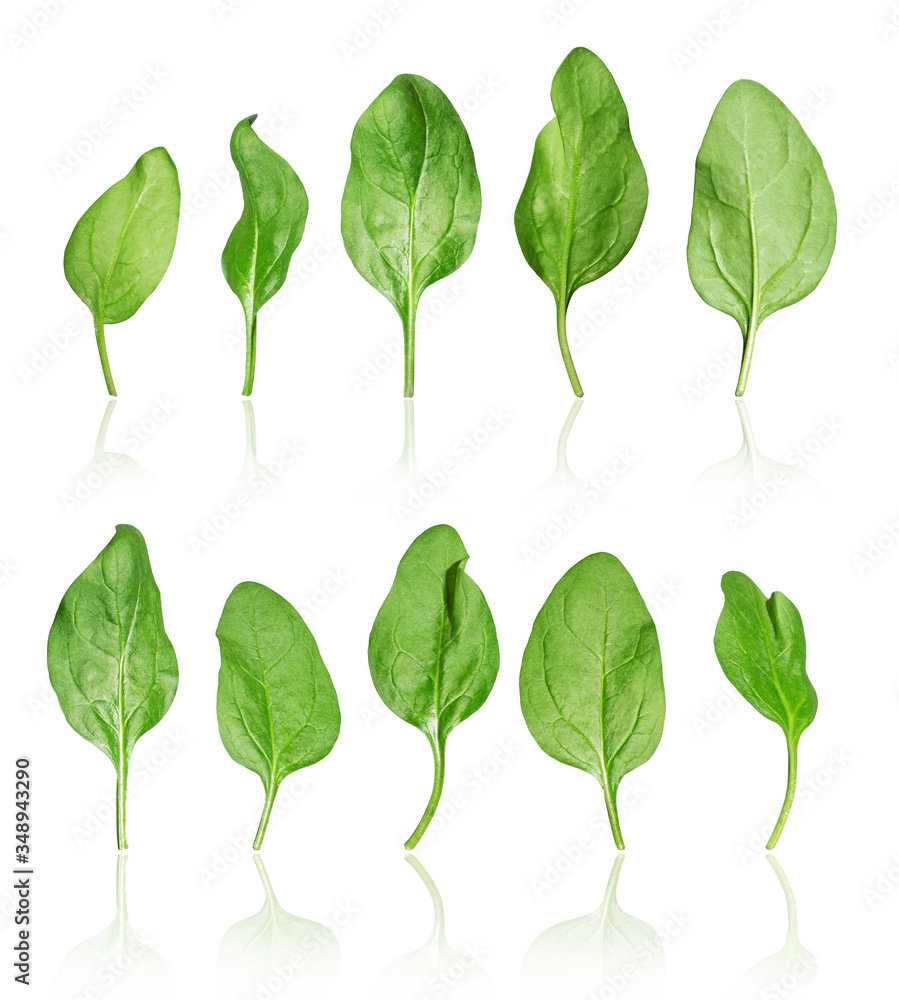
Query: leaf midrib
{"points": [[118, 248], [573, 196], [756, 295]]}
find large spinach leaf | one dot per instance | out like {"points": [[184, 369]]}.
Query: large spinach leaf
{"points": [[111, 664], [433, 653], [591, 677], [277, 708], [257, 255], [585, 196], [760, 644], [764, 220], [122, 245], [412, 200]]}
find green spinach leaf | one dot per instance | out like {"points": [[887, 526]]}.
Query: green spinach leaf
{"points": [[277, 708], [433, 653], [760, 644], [764, 220], [257, 255], [591, 677], [111, 664], [412, 200], [123, 244], [585, 196]]}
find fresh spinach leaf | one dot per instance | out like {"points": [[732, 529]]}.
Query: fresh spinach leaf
{"points": [[277, 708], [433, 653], [122, 245], [585, 196], [764, 220], [257, 255], [760, 644], [591, 677], [111, 664], [412, 200]]}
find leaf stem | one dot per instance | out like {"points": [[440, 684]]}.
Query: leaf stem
{"points": [[270, 794], [562, 328], [100, 334], [612, 810], [792, 768], [748, 347], [250, 370], [409, 350], [438, 747], [121, 788]]}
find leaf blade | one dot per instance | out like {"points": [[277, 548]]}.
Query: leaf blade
{"points": [[760, 644], [585, 196], [433, 653], [257, 254], [276, 705], [122, 246], [763, 224], [110, 661], [591, 686], [412, 200]]}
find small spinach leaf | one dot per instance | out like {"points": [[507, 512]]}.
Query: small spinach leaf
{"points": [[764, 220], [111, 664], [277, 708], [433, 653], [412, 200], [585, 196], [123, 244], [591, 677], [258, 251], [760, 644]]}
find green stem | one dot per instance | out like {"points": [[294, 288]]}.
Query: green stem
{"points": [[270, 794], [792, 768], [100, 334], [250, 370], [748, 347], [612, 810], [562, 327], [409, 351], [121, 787], [438, 748]]}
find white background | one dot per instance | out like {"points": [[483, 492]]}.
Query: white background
{"points": [[823, 396]]}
